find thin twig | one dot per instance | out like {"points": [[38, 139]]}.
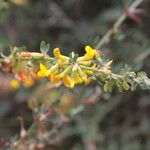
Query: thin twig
{"points": [[106, 38]]}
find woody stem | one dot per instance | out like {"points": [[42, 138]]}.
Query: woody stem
{"points": [[106, 38]]}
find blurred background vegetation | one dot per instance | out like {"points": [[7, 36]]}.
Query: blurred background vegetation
{"points": [[119, 121]]}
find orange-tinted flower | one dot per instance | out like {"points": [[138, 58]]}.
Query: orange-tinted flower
{"points": [[14, 84]]}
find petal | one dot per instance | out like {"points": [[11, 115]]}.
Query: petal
{"points": [[28, 83], [43, 71], [14, 84], [54, 78], [41, 74], [42, 67], [90, 53], [68, 82], [89, 72], [77, 79], [66, 71], [85, 63], [56, 52], [82, 75], [53, 69], [58, 55]]}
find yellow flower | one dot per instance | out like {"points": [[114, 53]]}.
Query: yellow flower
{"points": [[82, 75], [90, 53], [90, 72], [76, 77], [43, 71], [28, 83], [53, 69], [68, 82], [61, 58], [85, 63], [54, 79], [66, 71], [14, 84]]}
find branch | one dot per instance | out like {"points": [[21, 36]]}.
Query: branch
{"points": [[106, 38]]}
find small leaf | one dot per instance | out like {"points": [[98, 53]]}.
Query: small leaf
{"points": [[119, 85], [141, 74], [125, 70], [125, 85], [44, 47], [108, 86], [73, 57], [23, 48]]}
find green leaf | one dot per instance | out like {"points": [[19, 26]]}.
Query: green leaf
{"points": [[125, 85], [108, 86], [44, 47], [125, 70], [23, 48], [119, 85], [141, 74]]}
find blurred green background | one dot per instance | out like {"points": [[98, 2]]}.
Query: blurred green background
{"points": [[120, 121]]}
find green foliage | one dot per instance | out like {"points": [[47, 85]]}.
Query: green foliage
{"points": [[4, 5], [116, 120], [127, 79], [44, 48]]}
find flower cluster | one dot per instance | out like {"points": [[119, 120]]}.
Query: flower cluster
{"points": [[60, 69], [72, 70]]}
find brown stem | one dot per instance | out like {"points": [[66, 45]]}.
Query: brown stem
{"points": [[106, 38]]}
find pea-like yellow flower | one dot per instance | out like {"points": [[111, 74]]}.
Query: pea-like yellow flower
{"points": [[61, 58], [72, 70], [82, 75], [90, 53], [53, 69], [90, 72], [43, 71], [68, 82], [15, 84], [85, 63], [76, 76], [28, 83], [54, 79], [66, 71]]}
